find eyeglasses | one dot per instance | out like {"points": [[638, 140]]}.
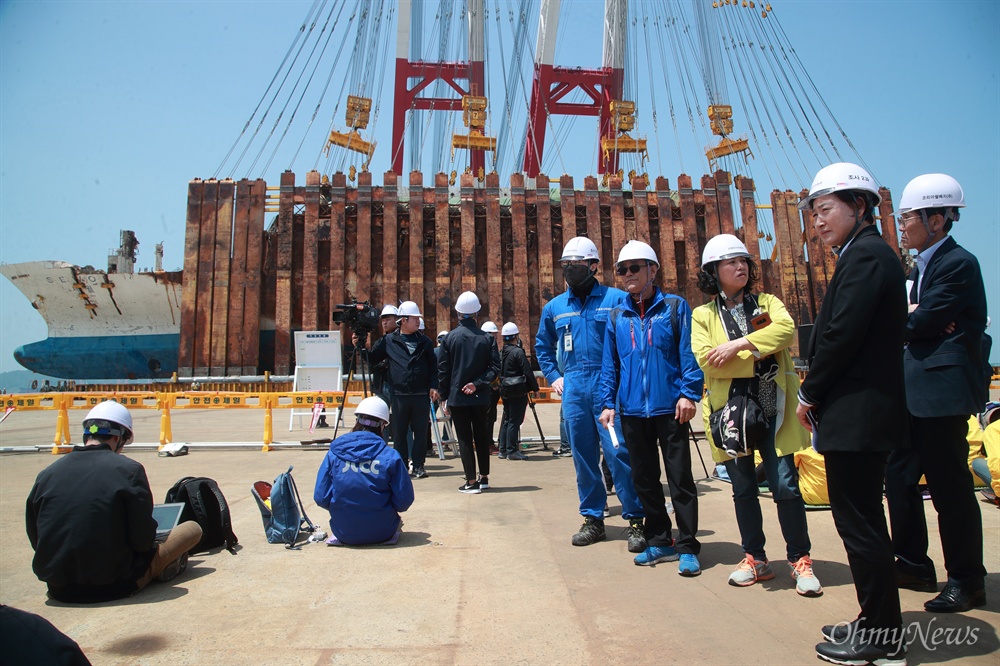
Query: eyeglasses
{"points": [[574, 262], [905, 220], [631, 268]]}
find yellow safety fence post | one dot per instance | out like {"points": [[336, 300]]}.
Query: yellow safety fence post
{"points": [[166, 436], [268, 425], [62, 428]]}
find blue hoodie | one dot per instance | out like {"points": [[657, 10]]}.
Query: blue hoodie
{"points": [[364, 484]]}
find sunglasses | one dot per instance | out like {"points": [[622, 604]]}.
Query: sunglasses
{"points": [[631, 268]]}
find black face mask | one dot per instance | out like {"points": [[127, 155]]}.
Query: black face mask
{"points": [[577, 275]]}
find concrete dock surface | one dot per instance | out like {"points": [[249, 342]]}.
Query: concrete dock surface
{"points": [[474, 579]]}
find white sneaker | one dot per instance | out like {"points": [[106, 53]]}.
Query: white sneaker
{"points": [[806, 582]]}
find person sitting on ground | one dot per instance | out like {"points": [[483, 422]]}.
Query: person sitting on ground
{"points": [[986, 466], [812, 478], [363, 482], [516, 381], [89, 518]]}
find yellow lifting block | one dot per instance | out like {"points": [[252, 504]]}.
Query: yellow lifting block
{"points": [[474, 111], [475, 140], [720, 119], [623, 114], [358, 112]]}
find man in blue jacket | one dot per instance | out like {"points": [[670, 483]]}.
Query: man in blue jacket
{"points": [[570, 348], [363, 482], [651, 373]]}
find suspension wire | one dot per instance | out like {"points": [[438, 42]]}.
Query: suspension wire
{"points": [[821, 98], [666, 84], [317, 4], [277, 91], [765, 31], [761, 88], [516, 69], [684, 72], [652, 95], [766, 51]]}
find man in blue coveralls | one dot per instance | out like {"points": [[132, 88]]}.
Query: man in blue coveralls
{"points": [[570, 347]]}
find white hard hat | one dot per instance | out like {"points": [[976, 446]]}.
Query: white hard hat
{"points": [[839, 177], [407, 309], [109, 418], [373, 406], [580, 248], [421, 324], [637, 250], [441, 334], [467, 303], [510, 328], [931, 190], [723, 246], [389, 311], [489, 327]]}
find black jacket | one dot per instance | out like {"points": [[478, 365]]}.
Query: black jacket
{"points": [[855, 354], [514, 363], [408, 374], [469, 356], [89, 518], [945, 372]]}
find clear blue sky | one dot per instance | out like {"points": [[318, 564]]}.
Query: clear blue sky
{"points": [[107, 109]]}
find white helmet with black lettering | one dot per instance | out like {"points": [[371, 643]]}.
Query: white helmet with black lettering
{"points": [[579, 249], [932, 190], [637, 250], [109, 418], [839, 177], [722, 247], [372, 411], [467, 303]]}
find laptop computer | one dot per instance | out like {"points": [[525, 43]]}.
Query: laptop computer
{"points": [[166, 516]]}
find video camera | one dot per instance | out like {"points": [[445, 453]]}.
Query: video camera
{"points": [[361, 317]]}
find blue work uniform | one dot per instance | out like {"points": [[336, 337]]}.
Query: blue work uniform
{"points": [[570, 344]]}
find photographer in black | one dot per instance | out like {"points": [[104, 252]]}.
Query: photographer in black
{"points": [[411, 378]]}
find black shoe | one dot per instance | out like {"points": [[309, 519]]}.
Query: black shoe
{"points": [[420, 472], [916, 578], [954, 599], [562, 452], [636, 537], [517, 455], [856, 651], [840, 632], [174, 569], [590, 532], [470, 488]]}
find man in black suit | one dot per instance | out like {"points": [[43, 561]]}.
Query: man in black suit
{"points": [[853, 402], [944, 386]]}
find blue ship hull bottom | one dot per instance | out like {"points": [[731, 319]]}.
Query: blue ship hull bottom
{"points": [[104, 357]]}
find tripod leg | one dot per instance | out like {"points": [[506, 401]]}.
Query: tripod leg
{"points": [[343, 396], [694, 441], [437, 433], [531, 403]]}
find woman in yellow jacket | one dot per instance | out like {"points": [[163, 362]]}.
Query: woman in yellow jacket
{"points": [[728, 347]]}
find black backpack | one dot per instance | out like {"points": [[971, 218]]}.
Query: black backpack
{"points": [[206, 505]]}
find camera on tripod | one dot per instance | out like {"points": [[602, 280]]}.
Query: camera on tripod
{"points": [[361, 317]]}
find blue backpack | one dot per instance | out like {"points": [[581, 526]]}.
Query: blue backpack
{"points": [[281, 510]]}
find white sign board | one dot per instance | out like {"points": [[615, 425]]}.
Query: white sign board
{"points": [[318, 363]]}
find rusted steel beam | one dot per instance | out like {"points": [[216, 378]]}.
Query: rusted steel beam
{"points": [[351, 288], [390, 240], [442, 252], [887, 220], [713, 225], [805, 312], [689, 235], [784, 268], [378, 249], [619, 232], [363, 245], [310, 253], [283, 291], [220, 277], [519, 242], [640, 209], [416, 227], [748, 215], [567, 208], [467, 208], [338, 240], [546, 241], [816, 270], [238, 279], [493, 308], [206, 270], [592, 199], [252, 300], [189, 288], [725, 202], [534, 296], [666, 253]]}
